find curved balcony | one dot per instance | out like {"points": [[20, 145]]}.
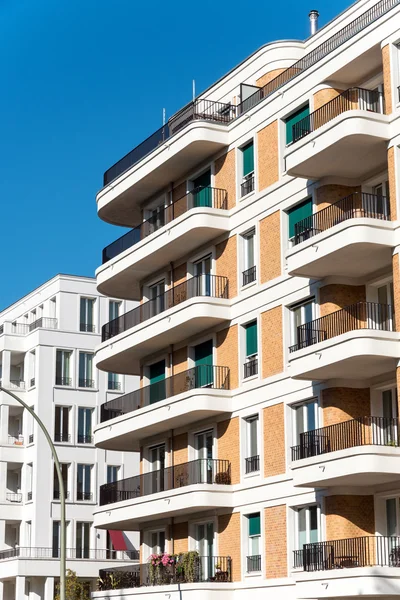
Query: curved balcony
{"points": [[356, 342], [346, 568], [353, 238], [346, 137], [181, 312], [362, 451], [191, 136], [178, 490], [191, 221]]}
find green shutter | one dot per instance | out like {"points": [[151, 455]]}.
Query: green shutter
{"points": [[203, 359], [298, 213], [157, 381], [251, 338], [203, 197], [248, 159], [293, 119], [254, 524]]}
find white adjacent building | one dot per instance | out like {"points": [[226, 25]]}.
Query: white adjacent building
{"points": [[47, 342]]}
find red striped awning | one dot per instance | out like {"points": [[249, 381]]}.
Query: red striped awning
{"points": [[118, 540]]}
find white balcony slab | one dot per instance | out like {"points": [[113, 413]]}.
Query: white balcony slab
{"points": [[187, 591]]}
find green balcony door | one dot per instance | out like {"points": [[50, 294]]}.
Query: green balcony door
{"points": [[294, 118], [202, 197], [157, 382], [203, 360], [299, 213]]}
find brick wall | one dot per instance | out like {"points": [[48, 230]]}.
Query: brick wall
{"points": [[341, 404], [396, 289], [272, 342], [336, 296], [180, 273], [226, 262], [227, 352], [225, 176], [267, 77], [349, 516], [323, 96], [387, 84], [229, 446], [270, 247], [268, 155], [180, 536], [180, 448], [229, 541], [179, 360], [274, 440], [392, 184], [179, 200], [329, 194], [275, 541]]}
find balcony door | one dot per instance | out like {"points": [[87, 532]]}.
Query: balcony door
{"points": [[389, 433], [157, 298], [308, 528], [204, 533], [203, 360], [157, 382], [202, 272], [157, 468], [202, 193], [157, 541], [204, 454], [305, 419]]}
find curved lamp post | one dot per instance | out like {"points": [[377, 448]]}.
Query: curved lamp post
{"points": [[62, 491]]}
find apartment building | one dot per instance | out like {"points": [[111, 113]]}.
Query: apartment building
{"points": [[47, 342], [264, 252]]}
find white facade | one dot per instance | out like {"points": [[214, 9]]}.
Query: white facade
{"points": [[63, 315]]}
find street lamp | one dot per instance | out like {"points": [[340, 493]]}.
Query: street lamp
{"points": [[61, 485]]}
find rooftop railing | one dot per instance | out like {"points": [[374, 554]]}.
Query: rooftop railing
{"points": [[362, 315], [72, 553], [355, 206], [199, 197], [214, 286], [13, 328], [195, 472], [362, 431], [201, 376]]}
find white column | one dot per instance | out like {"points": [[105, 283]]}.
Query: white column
{"points": [[4, 416], [6, 368], [3, 481], [48, 588], [1, 590], [2, 535], [20, 587]]}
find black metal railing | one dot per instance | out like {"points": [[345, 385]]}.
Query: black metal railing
{"points": [[215, 286], [114, 385], [84, 495], [86, 383], [43, 322], [209, 376], [205, 568], [32, 382], [72, 553], [356, 205], [253, 563], [366, 551], [362, 431], [67, 381], [57, 493], [250, 368], [29, 496], [351, 99], [62, 437], [249, 275], [88, 327], [247, 186], [199, 197], [252, 464], [30, 439], [195, 472], [310, 59], [14, 497], [85, 439], [362, 315]]}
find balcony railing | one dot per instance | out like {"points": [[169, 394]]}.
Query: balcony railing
{"points": [[207, 376], [15, 440], [204, 110], [114, 386], [14, 497], [66, 381], [17, 384], [195, 472], [15, 328], [367, 551], [205, 568], [252, 464], [43, 322], [247, 186], [88, 327], [72, 553], [84, 496], [85, 439], [363, 431], [250, 368], [199, 197], [362, 315], [214, 286], [253, 563], [249, 275], [354, 206], [62, 437], [86, 383], [57, 494]]}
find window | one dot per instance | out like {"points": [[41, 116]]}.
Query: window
{"points": [[112, 473], [157, 298], [302, 313], [300, 221], [305, 421], [295, 131], [61, 424], [85, 425], [114, 309], [252, 461], [83, 482], [251, 364], [56, 539], [82, 539], [86, 370], [56, 486], [157, 542], [87, 315], [249, 273], [254, 545], [53, 308], [63, 367], [307, 525], [247, 184], [113, 381], [32, 368]]}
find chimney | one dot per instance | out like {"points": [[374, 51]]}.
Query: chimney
{"points": [[313, 16]]}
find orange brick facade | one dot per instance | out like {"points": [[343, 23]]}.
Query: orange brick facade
{"points": [[276, 541], [229, 447], [267, 77], [225, 176], [229, 541], [342, 404], [387, 84], [226, 263], [272, 342], [336, 296], [392, 183], [349, 516], [227, 353], [270, 247], [274, 440], [268, 156]]}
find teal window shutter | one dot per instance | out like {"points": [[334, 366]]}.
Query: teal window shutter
{"points": [[248, 159], [298, 213], [251, 339], [254, 524], [293, 119]]}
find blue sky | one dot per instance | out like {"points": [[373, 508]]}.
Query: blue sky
{"points": [[84, 81]]}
